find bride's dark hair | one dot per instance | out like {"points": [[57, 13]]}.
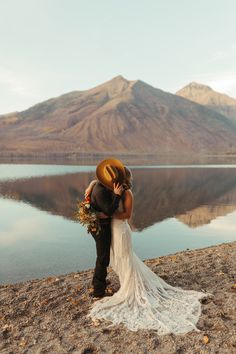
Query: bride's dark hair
{"points": [[128, 178]]}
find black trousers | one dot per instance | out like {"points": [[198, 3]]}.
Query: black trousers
{"points": [[103, 243]]}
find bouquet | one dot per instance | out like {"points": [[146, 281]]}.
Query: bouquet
{"points": [[87, 216]]}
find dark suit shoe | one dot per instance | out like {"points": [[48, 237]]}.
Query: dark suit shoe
{"points": [[95, 296], [108, 282]]}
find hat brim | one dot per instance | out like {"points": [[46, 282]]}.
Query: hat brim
{"points": [[102, 177]]}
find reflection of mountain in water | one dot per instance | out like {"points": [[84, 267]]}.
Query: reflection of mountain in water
{"points": [[55, 194], [195, 196], [172, 192], [203, 215]]}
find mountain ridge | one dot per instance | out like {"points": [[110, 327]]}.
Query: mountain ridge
{"points": [[205, 95], [118, 116]]}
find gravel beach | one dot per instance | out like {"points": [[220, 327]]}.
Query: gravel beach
{"points": [[49, 315]]}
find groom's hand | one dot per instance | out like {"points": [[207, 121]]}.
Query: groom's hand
{"points": [[118, 188]]}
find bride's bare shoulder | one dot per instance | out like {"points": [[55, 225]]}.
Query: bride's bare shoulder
{"points": [[128, 193]]}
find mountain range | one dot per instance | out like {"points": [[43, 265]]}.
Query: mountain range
{"points": [[124, 117]]}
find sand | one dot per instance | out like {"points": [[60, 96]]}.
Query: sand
{"points": [[49, 315]]}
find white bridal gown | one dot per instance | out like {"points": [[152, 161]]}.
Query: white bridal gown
{"points": [[144, 300]]}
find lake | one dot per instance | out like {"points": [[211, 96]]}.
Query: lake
{"points": [[176, 208]]}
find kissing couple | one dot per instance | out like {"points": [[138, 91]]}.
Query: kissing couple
{"points": [[144, 300]]}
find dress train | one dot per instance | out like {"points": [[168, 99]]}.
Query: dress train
{"points": [[144, 300]]}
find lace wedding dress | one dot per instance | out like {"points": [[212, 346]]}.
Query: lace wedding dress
{"points": [[144, 300]]}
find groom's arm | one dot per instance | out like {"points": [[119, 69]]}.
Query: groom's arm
{"points": [[107, 202]]}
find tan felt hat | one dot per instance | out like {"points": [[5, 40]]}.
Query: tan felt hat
{"points": [[110, 171]]}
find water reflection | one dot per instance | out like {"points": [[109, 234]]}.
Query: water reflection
{"points": [[34, 244], [193, 196], [175, 209]]}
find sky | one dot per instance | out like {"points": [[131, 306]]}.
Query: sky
{"points": [[51, 47]]}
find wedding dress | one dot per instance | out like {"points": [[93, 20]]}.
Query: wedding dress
{"points": [[144, 300]]}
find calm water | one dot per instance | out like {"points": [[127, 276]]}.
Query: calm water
{"points": [[175, 208]]}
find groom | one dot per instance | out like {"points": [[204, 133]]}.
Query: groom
{"points": [[105, 198]]}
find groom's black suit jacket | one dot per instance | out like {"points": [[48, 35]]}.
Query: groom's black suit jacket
{"points": [[104, 200]]}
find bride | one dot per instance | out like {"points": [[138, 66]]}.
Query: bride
{"points": [[144, 300]]}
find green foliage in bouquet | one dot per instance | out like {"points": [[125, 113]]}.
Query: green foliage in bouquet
{"points": [[87, 216]]}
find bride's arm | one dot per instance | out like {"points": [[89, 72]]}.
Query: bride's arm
{"points": [[127, 207], [89, 189]]}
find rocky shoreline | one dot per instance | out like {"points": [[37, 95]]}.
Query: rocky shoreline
{"points": [[49, 315]]}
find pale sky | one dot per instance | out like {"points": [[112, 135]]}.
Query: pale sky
{"points": [[51, 47]]}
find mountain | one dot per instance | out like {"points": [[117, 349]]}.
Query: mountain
{"points": [[119, 116], [206, 96]]}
